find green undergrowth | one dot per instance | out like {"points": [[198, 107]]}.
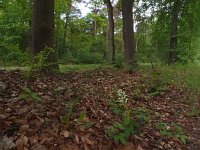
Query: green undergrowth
{"points": [[172, 130], [82, 67], [185, 77], [66, 68], [180, 75]]}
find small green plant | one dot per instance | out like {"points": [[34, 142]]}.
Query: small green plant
{"points": [[194, 112], [141, 115], [81, 117], [138, 91], [40, 60], [121, 131], [122, 99], [83, 121], [88, 124], [69, 109], [178, 132], [28, 94], [163, 128], [173, 131], [154, 84], [118, 104]]}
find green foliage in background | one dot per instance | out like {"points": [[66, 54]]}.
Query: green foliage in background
{"points": [[82, 39]]}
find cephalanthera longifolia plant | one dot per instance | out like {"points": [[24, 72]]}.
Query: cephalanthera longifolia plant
{"points": [[130, 124]]}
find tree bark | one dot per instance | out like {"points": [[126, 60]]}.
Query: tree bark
{"points": [[128, 33], [110, 38], [43, 30], [65, 32], [173, 37]]}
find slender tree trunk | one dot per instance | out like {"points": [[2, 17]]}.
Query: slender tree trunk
{"points": [[65, 32], [110, 38], [128, 33], [173, 37], [57, 35], [43, 29], [137, 42], [71, 38]]}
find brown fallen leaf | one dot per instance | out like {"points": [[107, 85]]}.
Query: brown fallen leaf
{"points": [[21, 122], [86, 140], [39, 147], [23, 128], [86, 147], [43, 139], [7, 143], [3, 125], [25, 140], [139, 148], [129, 146], [77, 139], [33, 139], [25, 148], [20, 144], [39, 121], [66, 134]]}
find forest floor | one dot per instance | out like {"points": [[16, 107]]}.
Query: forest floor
{"points": [[76, 110]]}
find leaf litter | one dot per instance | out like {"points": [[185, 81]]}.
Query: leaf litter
{"points": [[74, 112]]}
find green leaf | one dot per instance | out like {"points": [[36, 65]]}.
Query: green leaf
{"points": [[183, 140], [26, 89], [24, 96], [35, 96], [116, 139], [127, 132], [164, 133], [122, 139], [81, 116]]}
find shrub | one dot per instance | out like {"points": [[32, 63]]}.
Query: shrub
{"points": [[12, 54], [119, 61], [68, 58], [87, 57]]}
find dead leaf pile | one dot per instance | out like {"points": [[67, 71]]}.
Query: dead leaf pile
{"points": [[25, 124]]}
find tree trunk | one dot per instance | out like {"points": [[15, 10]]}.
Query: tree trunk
{"points": [[173, 37], [128, 33], [65, 33], [43, 30], [110, 38]]}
